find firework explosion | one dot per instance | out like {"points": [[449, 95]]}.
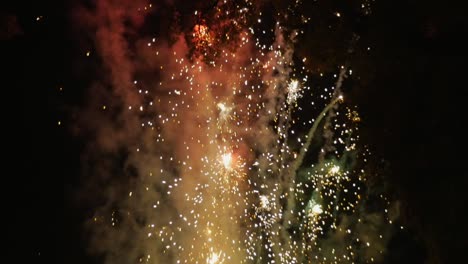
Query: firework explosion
{"points": [[229, 155]]}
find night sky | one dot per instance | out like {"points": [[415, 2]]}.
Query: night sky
{"points": [[410, 93]]}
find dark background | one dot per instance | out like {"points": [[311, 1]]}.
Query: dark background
{"points": [[410, 92]]}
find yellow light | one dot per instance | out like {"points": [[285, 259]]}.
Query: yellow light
{"points": [[317, 209]]}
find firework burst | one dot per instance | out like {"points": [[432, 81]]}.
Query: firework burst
{"points": [[221, 149]]}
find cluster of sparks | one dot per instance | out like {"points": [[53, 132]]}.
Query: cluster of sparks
{"points": [[235, 184]]}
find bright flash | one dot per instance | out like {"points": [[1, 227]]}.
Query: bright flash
{"points": [[221, 107], [293, 91], [224, 111], [227, 160], [264, 203], [334, 170], [214, 258], [317, 209]]}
